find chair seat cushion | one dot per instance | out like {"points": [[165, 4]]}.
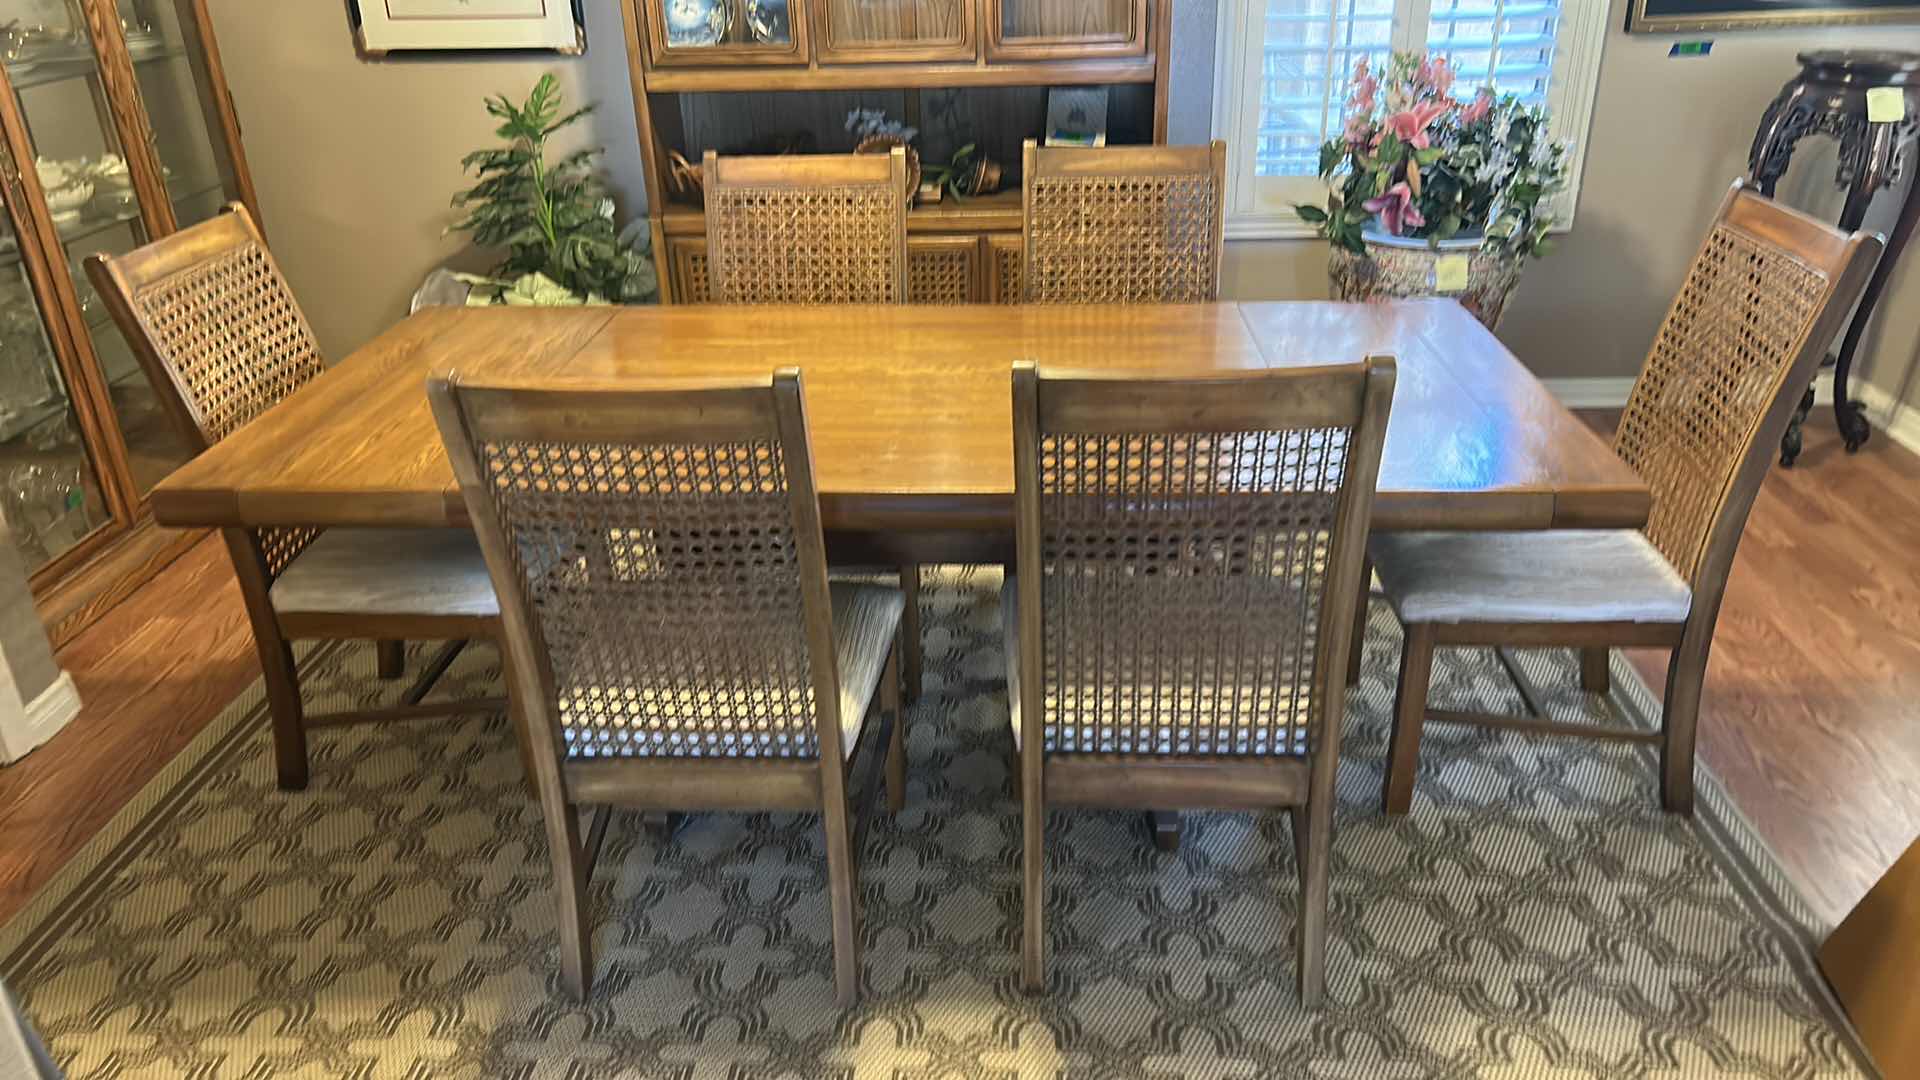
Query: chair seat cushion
{"points": [[866, 622], [377, 572], [1555, 576]]}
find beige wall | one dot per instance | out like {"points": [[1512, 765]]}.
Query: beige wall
{"points": [[1668, 137], [355, 162]]}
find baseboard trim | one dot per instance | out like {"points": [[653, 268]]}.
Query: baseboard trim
{"points": [[1890, 417], [44, 716]]}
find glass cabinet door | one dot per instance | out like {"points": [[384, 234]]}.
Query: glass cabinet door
{"points": [[93, 199], [50, 491], [179, 101], [864, 31], [726, 32], [1060, 29]]}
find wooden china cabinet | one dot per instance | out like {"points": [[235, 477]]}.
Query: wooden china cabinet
{"points": [[117, 130], [776, 76]]}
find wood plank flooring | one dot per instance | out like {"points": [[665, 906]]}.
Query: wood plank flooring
{"points": [[1811, 716], [151, 673], [1811, 711]]}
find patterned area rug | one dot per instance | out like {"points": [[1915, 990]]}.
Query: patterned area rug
{"points": [[1534, 916]]}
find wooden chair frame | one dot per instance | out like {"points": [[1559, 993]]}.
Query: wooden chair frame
{"points": [[1119, 162], [801, 173], [1845, 262], [120, 279], [1356, 396], [471, 415]]}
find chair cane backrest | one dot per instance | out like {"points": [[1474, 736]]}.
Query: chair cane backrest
{"points": [[659, 563], [807, 228], [1187, 554], [214, 323], [1125, 224], [219, 333], [1761, 302]]}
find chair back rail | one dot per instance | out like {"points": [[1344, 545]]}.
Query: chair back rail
{"points": [[1183, 548], [1125, 224], [807, 228], [659, 564], [1761, 302]]}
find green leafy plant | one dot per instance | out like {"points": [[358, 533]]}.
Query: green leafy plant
{"points": [[554, 218], [957, 175]]}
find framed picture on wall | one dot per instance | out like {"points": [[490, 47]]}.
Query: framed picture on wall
{"points": [[383, 27], [1668, 16]]}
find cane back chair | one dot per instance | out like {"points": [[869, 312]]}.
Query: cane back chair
{"points": [[1124, 224], [1763, 298], [807, 228], [668, 623], [222, 338], [1170, 640], [814, 229]]}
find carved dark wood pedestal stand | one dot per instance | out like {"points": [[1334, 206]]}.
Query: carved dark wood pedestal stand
{"points": [[1829, 97]]}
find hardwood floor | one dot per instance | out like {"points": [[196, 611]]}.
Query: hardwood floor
{"points": [[1811, 713], [151, 673]]}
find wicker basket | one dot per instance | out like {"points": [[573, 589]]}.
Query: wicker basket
{"points": [[882, 144], [1396, 267]]}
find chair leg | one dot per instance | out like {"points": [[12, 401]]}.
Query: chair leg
{"points": [[1313, 842], [1409, 716], [392, 657], [897, 734], [1033, 944], [1357, 645], [843, 894], [910, 630], [569, 893], [289, 714], [1680, 724], [523, 723], [1594, 676]]}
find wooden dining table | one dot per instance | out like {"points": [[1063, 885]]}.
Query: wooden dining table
{"points": [[910, 411]]}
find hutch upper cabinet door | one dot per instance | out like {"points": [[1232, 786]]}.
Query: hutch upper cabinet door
{"points": [[194, 130], [103, 191], [714, 33], [868, 31], [51, 494], [1064, 29]]}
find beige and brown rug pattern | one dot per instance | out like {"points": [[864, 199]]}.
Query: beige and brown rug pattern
{"points": [[1535, 916]]}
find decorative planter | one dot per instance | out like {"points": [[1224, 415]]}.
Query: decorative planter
{"points": [[884, 144], [1400, 267]]}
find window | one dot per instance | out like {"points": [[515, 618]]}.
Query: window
{"points": [[1283, 67]]}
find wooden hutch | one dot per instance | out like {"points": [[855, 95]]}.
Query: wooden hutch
{"points": [[763, 76]]}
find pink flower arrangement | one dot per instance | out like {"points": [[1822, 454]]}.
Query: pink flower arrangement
{"points": [[1414, 159]]}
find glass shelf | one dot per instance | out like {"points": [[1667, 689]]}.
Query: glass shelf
{"points": [[52, 69]]}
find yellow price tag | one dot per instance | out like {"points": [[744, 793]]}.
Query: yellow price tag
{"points": [[1886, 105], [1450, 274]]}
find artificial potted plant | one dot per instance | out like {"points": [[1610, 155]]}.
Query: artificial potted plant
{"points": [[1430, 194], [554, 218]]}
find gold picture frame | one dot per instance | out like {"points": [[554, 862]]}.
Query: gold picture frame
{"points": [[382, 28], [1685, 16]]}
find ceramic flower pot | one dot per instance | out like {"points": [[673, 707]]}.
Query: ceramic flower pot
{"points": [[1400, 267]]}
